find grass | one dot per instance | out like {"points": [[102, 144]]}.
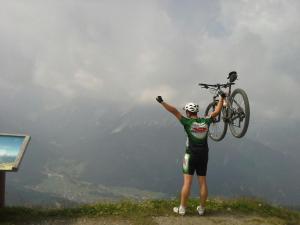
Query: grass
{"points": [[142, 212]]}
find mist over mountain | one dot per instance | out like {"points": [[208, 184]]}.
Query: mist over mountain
{"points": [[141, 149]]}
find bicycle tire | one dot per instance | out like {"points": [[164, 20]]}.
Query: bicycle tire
{"points": [[238, 133], [213, 126]]}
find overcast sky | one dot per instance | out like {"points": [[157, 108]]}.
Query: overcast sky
{"points": [[127, 52]]}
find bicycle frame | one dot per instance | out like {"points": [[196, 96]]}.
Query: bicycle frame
{"points": [[227, 99], [229, 115]]}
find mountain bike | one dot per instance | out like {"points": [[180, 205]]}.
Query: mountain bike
{"points": [[235, 111]]}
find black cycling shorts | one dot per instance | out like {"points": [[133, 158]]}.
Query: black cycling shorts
{"points": [[195, 162]]}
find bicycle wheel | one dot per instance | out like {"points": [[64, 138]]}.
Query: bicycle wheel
{"points": [[218, 128], [240, 113]]}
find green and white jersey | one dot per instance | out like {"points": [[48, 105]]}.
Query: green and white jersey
{"points": [[196, 130]]}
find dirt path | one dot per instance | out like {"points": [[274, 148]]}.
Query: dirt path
{"points": [[83, 221], [220, 220], [176, 220]]}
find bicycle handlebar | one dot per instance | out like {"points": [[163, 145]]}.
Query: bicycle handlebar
{"points": [[216, 85]]}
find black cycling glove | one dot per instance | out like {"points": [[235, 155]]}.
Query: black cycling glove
{"points": [[159, 99]]}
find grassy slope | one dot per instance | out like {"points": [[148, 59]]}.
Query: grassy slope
{"points": [[142, 212]]}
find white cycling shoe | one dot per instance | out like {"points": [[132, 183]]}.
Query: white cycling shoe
{"points": [[179, 210], [201, 210]]}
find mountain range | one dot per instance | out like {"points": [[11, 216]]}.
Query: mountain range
{"points": [[84, 153]]}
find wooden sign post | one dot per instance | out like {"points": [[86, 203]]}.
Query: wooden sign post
{"points": [[2, 189]]}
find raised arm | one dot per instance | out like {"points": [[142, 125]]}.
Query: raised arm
{"points": [[219, 106], [169, 108]]}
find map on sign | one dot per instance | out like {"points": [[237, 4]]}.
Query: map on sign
{"points": [[12, 149]]}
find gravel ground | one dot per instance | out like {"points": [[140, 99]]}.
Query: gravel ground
{"points": [[174, 220], [83, 221], [220, 220]]}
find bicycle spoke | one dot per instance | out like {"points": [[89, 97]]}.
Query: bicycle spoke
{"points": [[238, 118], [239, 102]]}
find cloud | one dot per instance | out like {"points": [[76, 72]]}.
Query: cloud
{"points": [[128, 51], [87, 81], [148, 95]]}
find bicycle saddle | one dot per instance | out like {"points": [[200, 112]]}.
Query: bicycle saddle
{"points": [[232, 76]]}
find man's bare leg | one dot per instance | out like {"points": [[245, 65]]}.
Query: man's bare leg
{"points": [[203, 190], [185, 192]]}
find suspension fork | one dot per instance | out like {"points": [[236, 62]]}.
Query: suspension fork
{"points": [[227, 107], [223, 114], [215, 101]]}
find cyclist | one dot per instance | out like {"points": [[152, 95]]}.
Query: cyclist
{"points": [[196, 154]]}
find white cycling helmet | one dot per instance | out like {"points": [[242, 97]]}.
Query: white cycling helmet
{"points": [[191, 107]]}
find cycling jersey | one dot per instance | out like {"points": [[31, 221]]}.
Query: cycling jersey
{"points": [[196, 130]]}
